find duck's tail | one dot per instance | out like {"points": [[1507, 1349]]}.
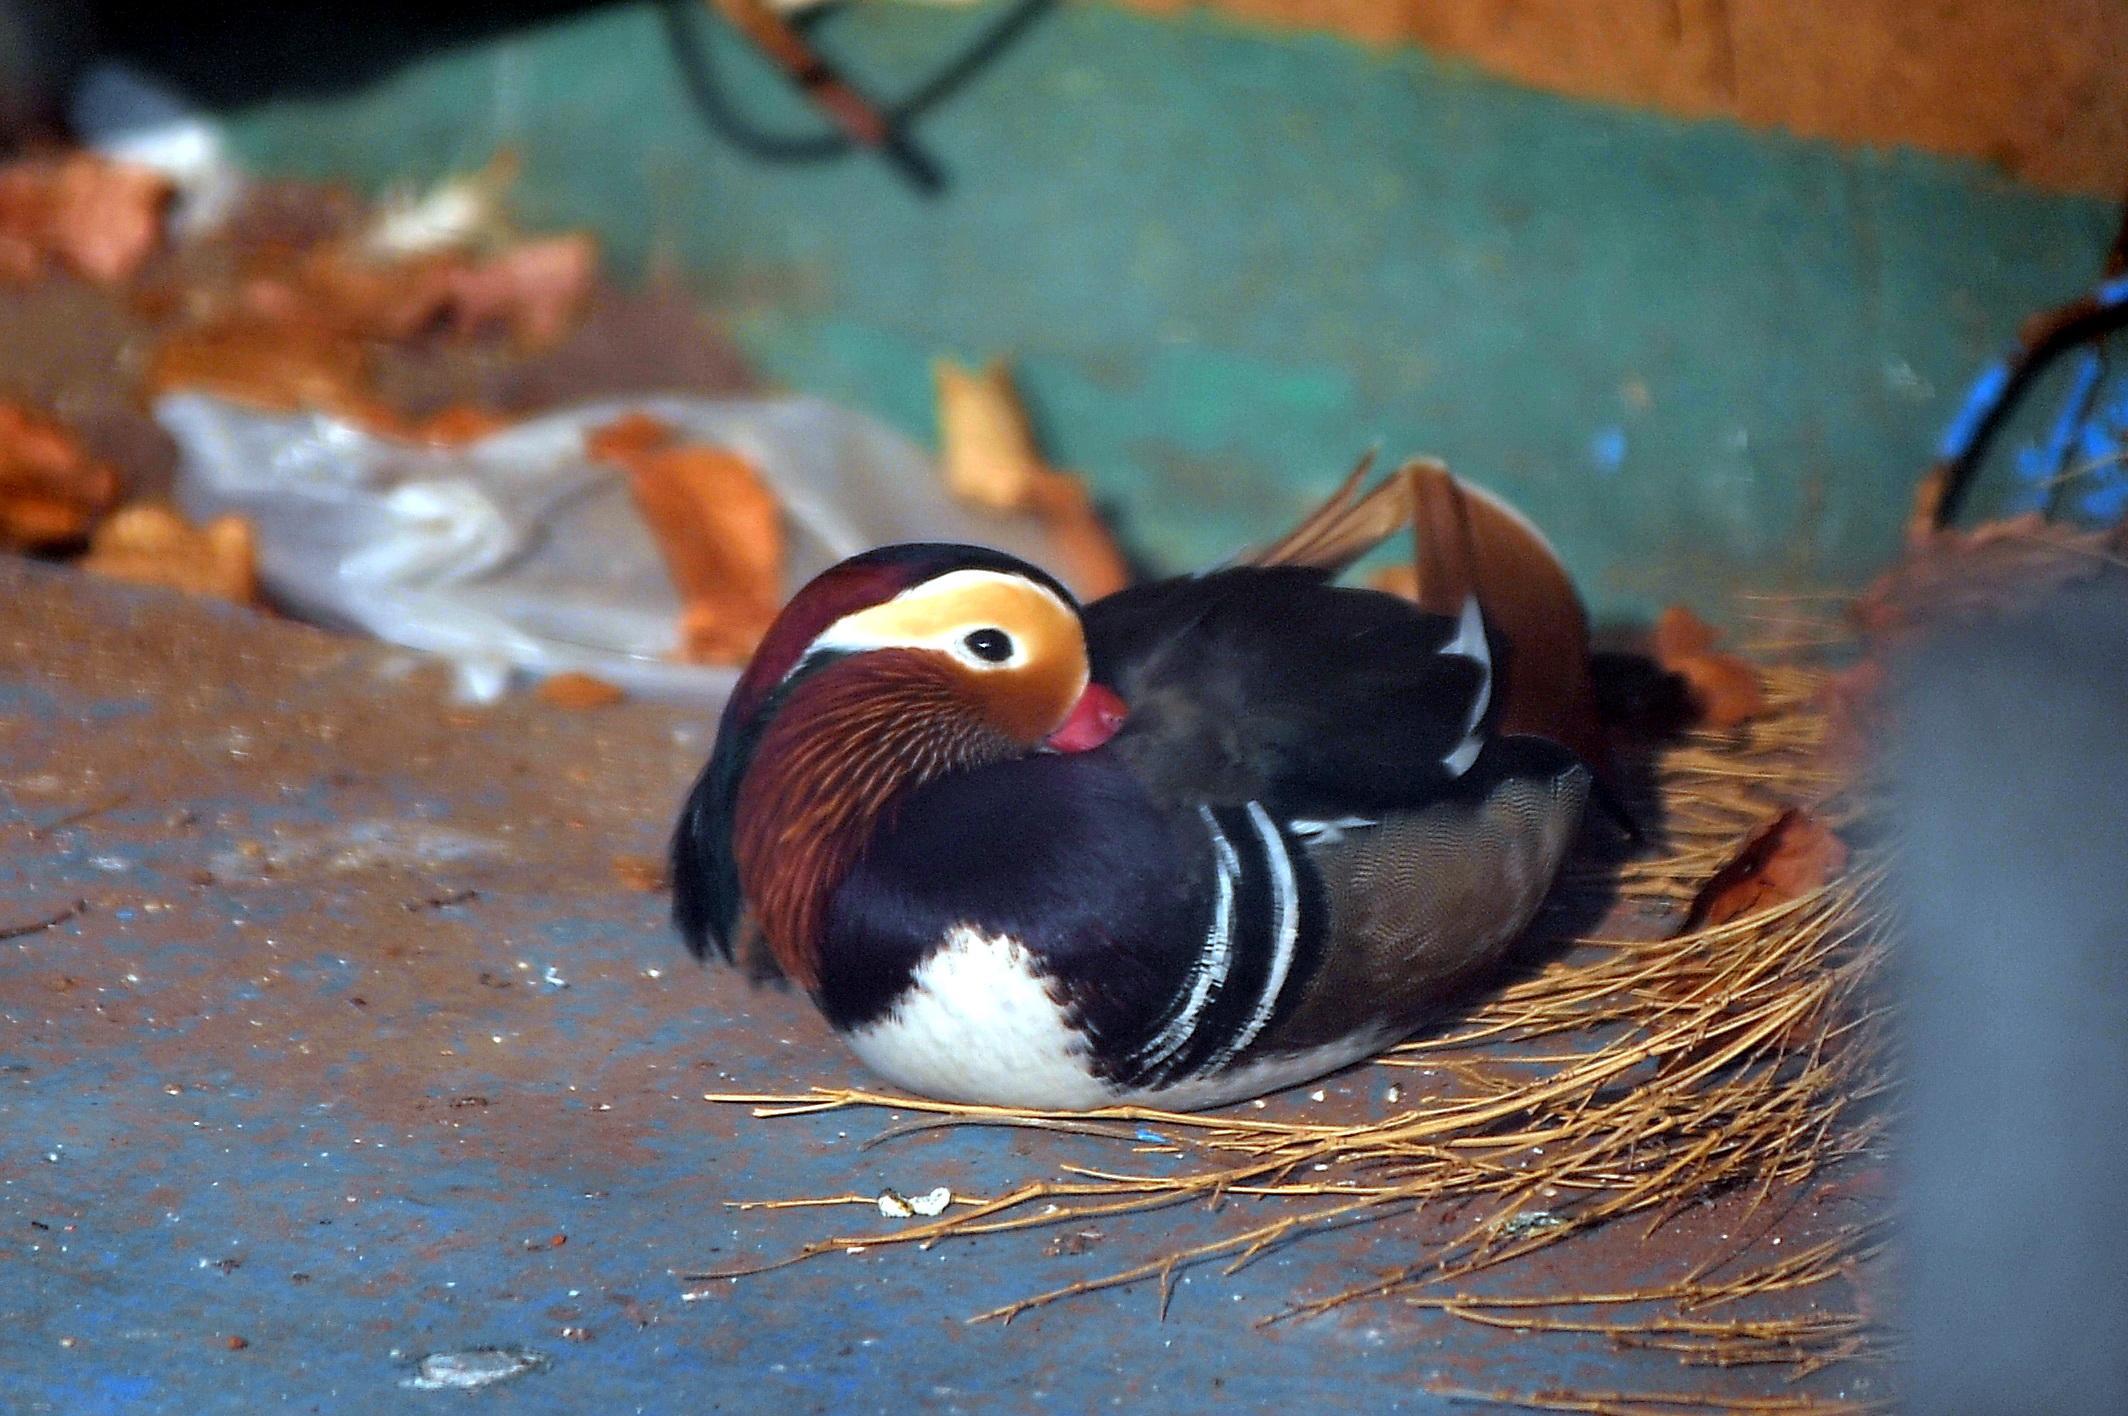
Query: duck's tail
{"points": [[1470, 543], [1344, 528]]}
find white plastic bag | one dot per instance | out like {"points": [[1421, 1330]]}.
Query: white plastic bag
{"points": [[517, 552]]}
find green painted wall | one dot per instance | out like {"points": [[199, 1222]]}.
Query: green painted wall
{"points": [[1230, 260]]}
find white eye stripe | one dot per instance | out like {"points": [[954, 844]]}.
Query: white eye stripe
{"points": [[952, 639], [960, 582], [921, 618]]}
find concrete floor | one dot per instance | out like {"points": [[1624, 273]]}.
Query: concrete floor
{"points": [[349, 1042]]}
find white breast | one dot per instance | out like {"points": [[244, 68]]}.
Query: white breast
{"points": [[978, 1024]]}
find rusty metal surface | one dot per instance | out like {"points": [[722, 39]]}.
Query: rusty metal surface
{"points": [[357, 1047]]}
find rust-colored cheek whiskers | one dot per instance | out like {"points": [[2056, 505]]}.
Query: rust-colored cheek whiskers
{"points": [[833, 759]]}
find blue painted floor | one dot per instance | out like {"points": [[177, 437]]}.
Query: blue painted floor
{"points": [[349, 1043]]}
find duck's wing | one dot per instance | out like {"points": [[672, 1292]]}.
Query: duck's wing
{"points": [[1422, 901], [1372, 731], [1272, 685]]}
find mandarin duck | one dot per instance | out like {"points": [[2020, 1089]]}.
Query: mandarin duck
{"points": [[1198, 840]]}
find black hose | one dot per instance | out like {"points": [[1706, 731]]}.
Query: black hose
{"points": [[693, 55]]}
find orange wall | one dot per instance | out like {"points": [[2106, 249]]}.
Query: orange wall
{"points": [[2039, 87]]}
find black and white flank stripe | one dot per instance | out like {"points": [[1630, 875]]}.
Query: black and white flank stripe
{"points": [[1262, 935]]}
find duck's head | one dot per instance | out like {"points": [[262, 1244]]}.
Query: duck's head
{"points": [[886, 671]]}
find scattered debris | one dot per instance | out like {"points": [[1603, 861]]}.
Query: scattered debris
{"points": [[277, 365], [51, 490], [578, 691], [235, 1343], [1787, 858], [41, 924], [637, 872], [1075, 1242], [83, 213], [147, 544], [123, 114], [296, 320], [458, 213], [1529, 1222], [717, 525], [894, 1205], [356, 846], [1725, 689], [442, 900], [535, 291], [300, 334], [471, 1369], [532, 291], [295, 324]]}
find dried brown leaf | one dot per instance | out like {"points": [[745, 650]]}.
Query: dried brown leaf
{"points": [[280, 366], [1086, 554], [147, 544], [991, 462], [1725, 689], [1787, 858], [984, 438], [578, 691], [51, 489], [718, 527], [1680, 634], [534, 291], [94, 216], [639, 872]]}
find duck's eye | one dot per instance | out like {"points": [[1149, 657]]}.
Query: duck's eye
{"points": [[992, 646]]}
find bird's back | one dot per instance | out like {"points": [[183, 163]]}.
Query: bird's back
{"points": [[1273, 685]]}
